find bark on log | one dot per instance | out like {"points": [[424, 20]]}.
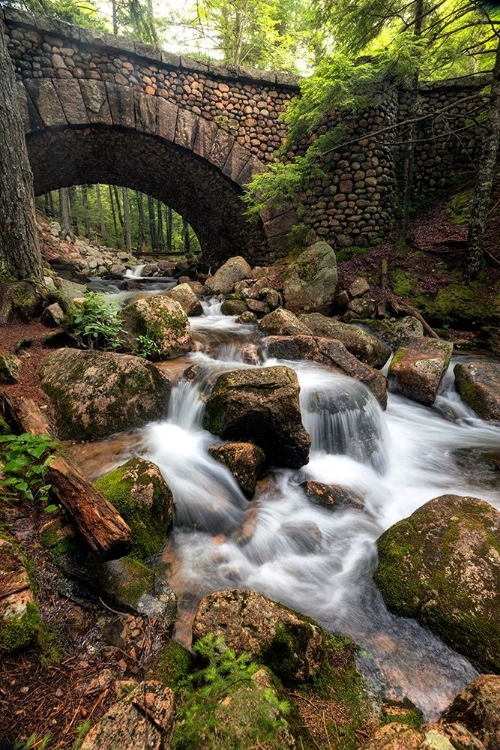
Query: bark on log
{"points": [[96, 518]]}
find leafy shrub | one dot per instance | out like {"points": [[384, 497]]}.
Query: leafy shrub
{"points": [[148, 347], [223, 706], [97, 322], [27, 459]]}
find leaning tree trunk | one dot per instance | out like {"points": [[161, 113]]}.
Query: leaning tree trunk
{"points": [[64, 213], [168, 221], [100, 212], [20, 257], [474, 258], [152, 222], [126, 221]]}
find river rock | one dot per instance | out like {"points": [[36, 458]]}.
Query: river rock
{"points": [[291, 645], [362, 344], [311, 280], [417, 369], [247, 318], [95, 394], [442, 566], [9, 369], [131, 585], [478, 709], [140, 494], [244, 461], [331, 496], [223, 281], [282, 323], [234, 307], [407, 328], [400, 736], [144, 719], [260, 405], [163, 320], [187, 299], [359, 287], [478, 384], [360, 308]]}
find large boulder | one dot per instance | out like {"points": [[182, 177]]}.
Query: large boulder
{"points": [[478, 708], [95, 394], [244, 461], [442, 566], [260, 405], [282, 323], [144, 500], [328, 352], [163, 321], [311, 280], [293, 646], [362, 344], [417, 369], [187, 299], [478, 384], [223, 281], [143, 719]]}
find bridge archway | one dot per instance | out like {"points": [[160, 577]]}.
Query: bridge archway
{"points": [[84, 132]]}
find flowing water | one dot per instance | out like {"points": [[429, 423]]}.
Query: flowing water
{"points": [[314, 560]]}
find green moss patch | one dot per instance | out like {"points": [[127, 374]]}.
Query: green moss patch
{"points": [[174, 665]]}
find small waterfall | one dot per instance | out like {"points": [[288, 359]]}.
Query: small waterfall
{"points": [[135, 272]]}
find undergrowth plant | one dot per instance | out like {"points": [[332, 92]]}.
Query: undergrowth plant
{"points": [[26, 462], [147, 346], [97, 321], [223, 706]]}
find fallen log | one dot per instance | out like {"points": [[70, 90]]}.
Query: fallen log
{"points": [[98, 521]]}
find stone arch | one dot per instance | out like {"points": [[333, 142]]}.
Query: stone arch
{"points": [[86, 131]]}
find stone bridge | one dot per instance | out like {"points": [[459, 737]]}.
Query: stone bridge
{"points": [[101, 108]]}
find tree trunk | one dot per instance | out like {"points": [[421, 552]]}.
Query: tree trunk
{"points": [[140, 230], [64, 213], [185, 237], [118, 205], [126, 221], [159, 232], [169, 229], [73, 209], [152, 222], [51, 204], [474, 258], [86, 212], [99, 210], [115, 16], [113, 214], [20, 257]]}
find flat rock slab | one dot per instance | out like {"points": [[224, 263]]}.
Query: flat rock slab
{"points": [[478, 384], [417, 369]]}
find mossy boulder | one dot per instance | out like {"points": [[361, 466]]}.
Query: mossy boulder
{"points": [[283, 323], [311, 280], [244, 461], [9, 369], [130, 583], [478, 383], [234, 307], [187, 299], [223, 281], [162, 320], [144, 500], [19, 616], [174, 664], [260, 406], [442, 566], [362, 344], [95, 394], [417, 369], [478, 708]]}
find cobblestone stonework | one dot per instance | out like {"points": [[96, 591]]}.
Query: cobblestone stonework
{"points": [[218, 126]]}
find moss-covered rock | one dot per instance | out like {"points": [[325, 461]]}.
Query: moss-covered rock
{"points": [[19, 616], [362, 344], [442, 566], [130, 583], [244, 461], [417, 369], [144, 500], [234, 307], [187, 299], [478, 384], [311, 280], [161, 319], [9, 369], [283, 323], [95, 394], [260, 405], [19, 632], [174, 664]]}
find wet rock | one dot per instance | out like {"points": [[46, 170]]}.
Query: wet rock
{"points": [[359, 287], [291, 347], [251, 354], [196, 286], [53, 315], [145, 719], [247, 318], [9, 369], [478, 384], [258, 307], [260, 406], [233, 307], [140, 494], [331, 496], [442, 566], [293, 646], [163, 320], [361, 308], [303, 537], [223, 281], [95, 394], [362, 344], [416, 370], [311, 280], [150, 269], [244, 461], [283, 323], [184, 295], [131, 584], [478, 709]]}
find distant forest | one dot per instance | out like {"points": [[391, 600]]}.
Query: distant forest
{"points": [[120, 218]]}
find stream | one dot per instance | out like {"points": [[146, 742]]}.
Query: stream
{"points": [[314, 560]]}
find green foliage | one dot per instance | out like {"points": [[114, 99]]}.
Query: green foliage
{"points": [[224, 707], [34, 741], [81, 730], [27, 459], [97, 321], [174, 665], [279, 184], [18, 633], [148, 347]]}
